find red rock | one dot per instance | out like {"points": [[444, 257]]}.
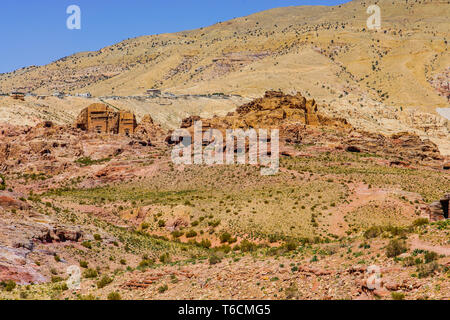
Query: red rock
{"points": [[8, 200]]}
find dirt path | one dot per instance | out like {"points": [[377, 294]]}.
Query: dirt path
{"points": [[361, 196], [416, 243]]}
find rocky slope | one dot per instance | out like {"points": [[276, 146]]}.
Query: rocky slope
{"points": [[133, 223]]}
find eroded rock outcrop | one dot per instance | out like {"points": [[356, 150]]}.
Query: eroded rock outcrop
{"points": [[300, 122], [439, 210]]}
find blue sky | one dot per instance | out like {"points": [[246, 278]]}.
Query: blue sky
{"points": [[35, 32]]}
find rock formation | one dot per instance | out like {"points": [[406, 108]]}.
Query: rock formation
{"points": [[300, 122], [439, 210], [100, 118]]}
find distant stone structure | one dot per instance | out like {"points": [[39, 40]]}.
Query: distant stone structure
{"points": [[100, 118]]}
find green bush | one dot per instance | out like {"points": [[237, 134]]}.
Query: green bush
{"points": [[373, 232], [395, 248], [8, 285], [191, 234], [398, 296], [87, 244], [426, 270], [161, 223], [163, 288], [164, 258], [90, 273], [224, 248], [205, 243], [430, 256], [247, 246], [420, 222], [83, 264], [114, 296], [56, 279], [291, 245], [225, 237], [104, 281], [146, 262], [97, 237], [176, 234], [87, 161], [214, 259]]}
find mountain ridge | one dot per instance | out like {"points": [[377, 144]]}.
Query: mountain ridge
{"points": [[194, 61]]}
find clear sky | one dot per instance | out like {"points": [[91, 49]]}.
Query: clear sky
{"points": [[34, 32]]}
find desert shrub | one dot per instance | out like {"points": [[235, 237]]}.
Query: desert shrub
{"points": [[214, 259], [146, 262], [396, 231], [373, 232], [114, 296], [164, 258], [163, 288], [191, 234], [410, 261], [247, 246], [214, 223], [225, 237], [83, 264], [104, 281], [291, 245], [395, 248], [205, 243], [398, 296], [430, 256], [87, 161], [177, 234], [426, 270], [87, 244], [56, 279], [90, 273], [420, 222], [97, 237], [224, 248], [8, 285], [161, 223], [274, 238]]}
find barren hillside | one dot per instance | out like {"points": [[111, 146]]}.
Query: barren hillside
{"points": [[327, 51]]}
